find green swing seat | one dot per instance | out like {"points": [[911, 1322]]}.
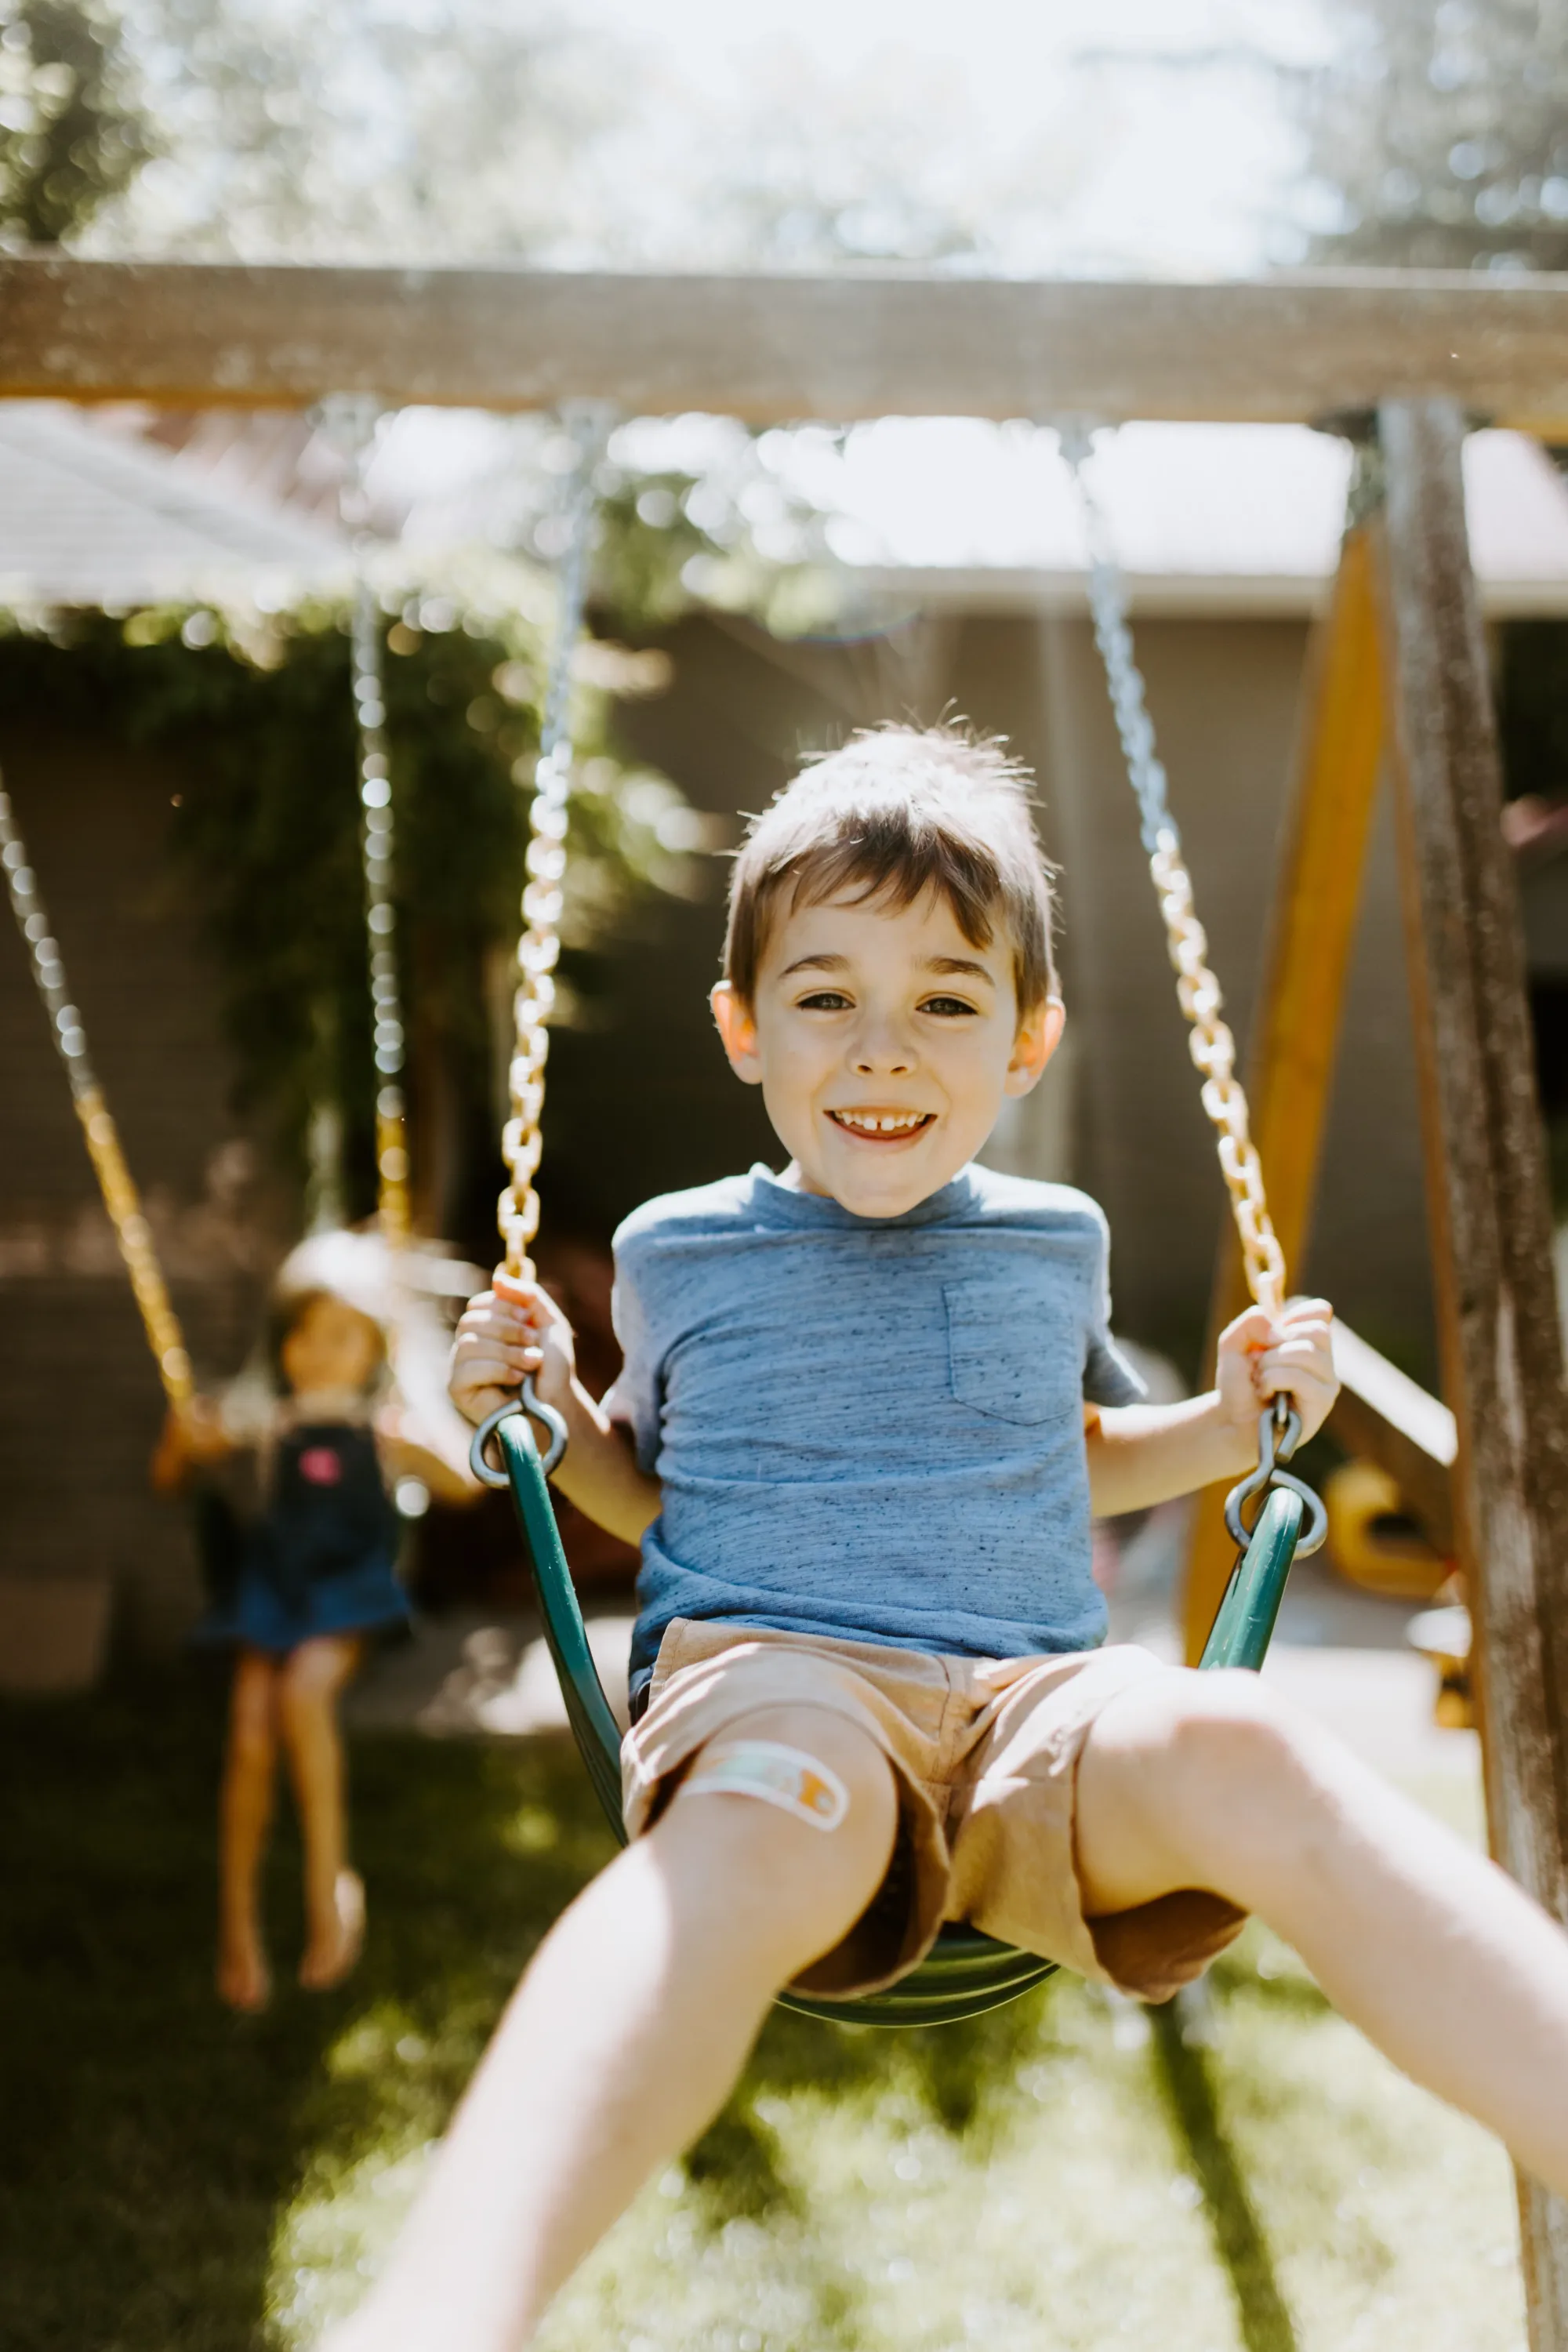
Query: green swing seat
{"points": [[965, 1973]]}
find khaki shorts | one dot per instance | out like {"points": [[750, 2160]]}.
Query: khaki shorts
{"points": [[985, 1752]]}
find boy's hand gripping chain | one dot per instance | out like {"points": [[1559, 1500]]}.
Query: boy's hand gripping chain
{"points": [[120, 1197], [539, 950], [1210, 1040]]}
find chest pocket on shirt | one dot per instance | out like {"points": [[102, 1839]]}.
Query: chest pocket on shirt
{"points": [[1006, 1358]]}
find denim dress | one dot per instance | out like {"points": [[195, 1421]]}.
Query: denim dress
{"points": [[320, 1556]]}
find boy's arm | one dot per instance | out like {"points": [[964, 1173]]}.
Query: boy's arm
{"points": [[515, 1328], [1144, 1453]]}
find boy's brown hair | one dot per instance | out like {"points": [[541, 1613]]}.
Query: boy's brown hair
{"points": [[896, 813]]}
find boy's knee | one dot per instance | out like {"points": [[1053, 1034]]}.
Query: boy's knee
{"points": [[819, 1778], [1192, 1780], [1192, 1743], [793, 1811], [1231, 1724]]}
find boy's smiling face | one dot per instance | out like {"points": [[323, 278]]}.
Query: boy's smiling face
{"points": [[885, 1042]]}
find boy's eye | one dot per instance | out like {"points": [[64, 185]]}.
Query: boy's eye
{"points": [[948, 1008], [822, 1000]]}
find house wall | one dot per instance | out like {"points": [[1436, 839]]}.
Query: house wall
{"points": [[80, 1404], [640, 1100]]}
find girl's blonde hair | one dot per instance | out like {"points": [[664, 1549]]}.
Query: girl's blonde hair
{"points": [[356, 1269]]}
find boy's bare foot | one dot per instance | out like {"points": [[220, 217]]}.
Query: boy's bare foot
{"points": [[335, 1945], [244, 1980]]}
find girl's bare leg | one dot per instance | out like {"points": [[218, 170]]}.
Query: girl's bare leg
{"points": [[309, 1685], [1442, 1960], [622, 2042], [245, 1817]]}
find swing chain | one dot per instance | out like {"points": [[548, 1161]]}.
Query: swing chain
{"points": [[539, 950], [380, 915], [1278, 1434], [353, 421], [1108, 605], [131, 1230], [1211, 1043]]}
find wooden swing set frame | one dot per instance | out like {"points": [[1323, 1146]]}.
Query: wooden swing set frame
{"points": [[1404, 362]]}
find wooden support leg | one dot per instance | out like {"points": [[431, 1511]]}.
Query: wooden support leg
{"points": [[1487, 1194], [1296, 1029]]}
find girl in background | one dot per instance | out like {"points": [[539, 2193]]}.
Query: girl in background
{"points": [[312, 1576]]}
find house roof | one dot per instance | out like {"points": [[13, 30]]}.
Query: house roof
{"points": [[88, 518], [1205, 517]]}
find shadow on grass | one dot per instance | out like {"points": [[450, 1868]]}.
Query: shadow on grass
{"points": [[159, 2142], [1287, 1990], [948, 2071], [154, 2138], [1183, 2076]]}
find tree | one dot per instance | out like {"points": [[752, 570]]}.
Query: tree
{"points": [[451, 129], [1439, 137], [71, 132], [804, 167], [375, 130]]}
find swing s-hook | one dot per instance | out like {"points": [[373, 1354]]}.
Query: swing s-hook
{"points": [[1278, 1434], [479, 1463]]}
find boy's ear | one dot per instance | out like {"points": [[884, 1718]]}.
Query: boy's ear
{"points": [[1039, 1035], [737, 1026]]}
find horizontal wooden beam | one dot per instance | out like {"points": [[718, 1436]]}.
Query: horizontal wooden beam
{"points": [[857, 344]]}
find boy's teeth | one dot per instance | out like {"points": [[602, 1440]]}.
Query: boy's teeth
{"points": [[892, 1123]]}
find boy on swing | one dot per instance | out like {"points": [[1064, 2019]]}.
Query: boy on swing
{"points": [[866, 1410]]}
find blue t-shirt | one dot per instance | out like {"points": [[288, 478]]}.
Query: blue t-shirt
{"points": [[868, 1427]]}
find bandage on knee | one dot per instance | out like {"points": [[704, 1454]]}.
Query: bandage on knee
{"points": [[785, 1777]]}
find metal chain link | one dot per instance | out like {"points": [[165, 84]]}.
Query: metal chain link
{"points": [[1211, 1043], [119, 1195], [539, 948], [380, 917], [351, 421]]}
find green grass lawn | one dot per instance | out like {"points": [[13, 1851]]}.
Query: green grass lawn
{"points": [[1063, 2174]]}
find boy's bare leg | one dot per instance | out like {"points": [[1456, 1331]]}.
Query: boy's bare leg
{"points": [[251, 1769], [308, 1688], [1441, 1959], [623, 2041]]}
